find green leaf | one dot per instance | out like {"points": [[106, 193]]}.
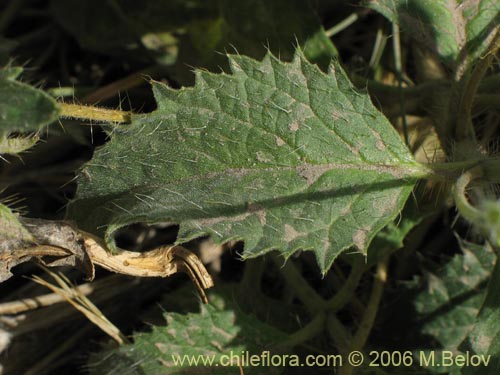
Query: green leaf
{"points": [[218, 329], [484, 339], [457, 30], [453, 295], [437, 310], [22, 109], [391, 238], [277, 154]]}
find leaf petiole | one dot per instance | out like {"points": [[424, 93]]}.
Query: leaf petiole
{"points": [[94, 113]]}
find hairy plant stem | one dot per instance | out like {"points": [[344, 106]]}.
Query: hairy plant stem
{"points": [[489, 85], [94, 113], [469, 212], [366, 325], [396, 43], [464, 126], [131, 81], [417, 98], [453, 170]]}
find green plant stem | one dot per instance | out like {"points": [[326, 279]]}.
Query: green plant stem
{"points": [[338, 280], [410, 92], [469, 212], [464, 127], [489, 85], [378, 48], [62, 92], [342, 25], [416, 98], [94, 113], [124, 84], [487, 168], [249, 289], [345, 294], [366, 325], [252, 275], [309, 331], [368, 319], [398, 66], [312, 301], [338, 333]]}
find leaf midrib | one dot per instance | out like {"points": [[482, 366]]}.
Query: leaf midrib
{"points": [[400, 171]]}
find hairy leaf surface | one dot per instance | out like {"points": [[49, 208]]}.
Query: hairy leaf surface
{"points": [[218, 329], [453, 295], [484, 338], [279, 155], [438, 310], [22, 107], [457, 30]]}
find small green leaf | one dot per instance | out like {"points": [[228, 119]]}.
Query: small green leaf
{"points": [[277, 154], [217, 330], [484, 339], [437, 310], [453, 295], [391, 238], [22, 109], [457, 30]]}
